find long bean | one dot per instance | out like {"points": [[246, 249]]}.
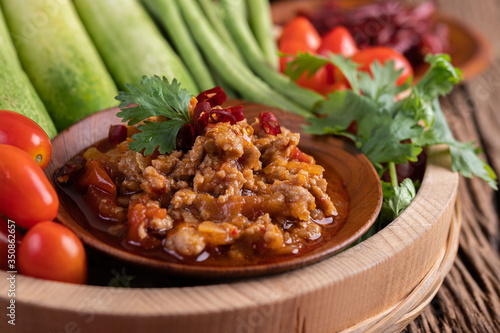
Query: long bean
{"points": [[213, 13], [170, 18], [259, 16], [231, 69], [243, 36]]}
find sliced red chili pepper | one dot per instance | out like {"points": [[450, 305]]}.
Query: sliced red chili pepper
{"points": [[221, 116], [70, 169], [269, 123], [185, 137], [200, 116], [215, 96], [237, 112]]}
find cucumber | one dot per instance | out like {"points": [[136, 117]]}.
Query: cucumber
{"points": [[59, 58], [130, 43], [16, 91]]}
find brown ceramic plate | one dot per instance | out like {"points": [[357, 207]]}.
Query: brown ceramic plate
{"points": [[469, 49], [358, 174]]}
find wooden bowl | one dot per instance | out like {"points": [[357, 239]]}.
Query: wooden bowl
{"points": [[378, 285], [336, 156], [469, 49]]}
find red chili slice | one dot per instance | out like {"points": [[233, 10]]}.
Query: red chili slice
{"points": [[269, 123], [215, 96], [185, 137], [237, 112], [221, 116]]}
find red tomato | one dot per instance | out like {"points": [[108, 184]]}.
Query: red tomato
{"points": [[338, 41], [94, 174], [51, 251], [367, 56], [22, 132], [26, 195], [10, 239], [318, 80], [302, 31], [291, 47], [331, 88]]}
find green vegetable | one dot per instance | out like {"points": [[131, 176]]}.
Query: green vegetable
{"points": [[16, 91], [130, 43], [168, 14], [262, 25], [155, 97], [59, 58], [255, 58], [230, 68], [213, 14], [390, 131]]}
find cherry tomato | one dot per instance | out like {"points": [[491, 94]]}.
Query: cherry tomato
{"points": [[300, 30], [291, 47], [51, 251], [338, 41], [22, 132], [10, 239], [318, 80], [26, 195], [367, 56]]}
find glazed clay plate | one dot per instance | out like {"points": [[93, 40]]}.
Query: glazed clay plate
{"points": [[469, 49], [359, 176]]}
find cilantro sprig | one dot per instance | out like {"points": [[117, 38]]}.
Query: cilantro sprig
{"points": [[392, 131], [155, 96]]}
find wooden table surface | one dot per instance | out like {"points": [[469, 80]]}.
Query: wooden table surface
{"points": [[469, 299]]}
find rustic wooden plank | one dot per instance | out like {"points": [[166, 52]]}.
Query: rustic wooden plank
{"points": [[469, 299]]}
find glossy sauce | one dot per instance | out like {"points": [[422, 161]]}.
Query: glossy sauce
{"points": [[116, 235]]}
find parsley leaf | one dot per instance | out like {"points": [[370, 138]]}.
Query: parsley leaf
{"points": [[396, 198], [155, 96], [379, 135]]}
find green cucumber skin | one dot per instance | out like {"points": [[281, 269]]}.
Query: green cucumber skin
{"points": [[60, 59], [16, 91], [130, 43]]}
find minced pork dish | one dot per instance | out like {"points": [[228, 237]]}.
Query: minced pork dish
{"points": [[242, 190]]}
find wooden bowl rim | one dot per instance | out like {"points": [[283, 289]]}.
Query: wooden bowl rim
{"points": [[336, 149]]}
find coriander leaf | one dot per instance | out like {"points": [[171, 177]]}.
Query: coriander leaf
{"points": [[341, 108], [439, 78], [464, 156], [348, 68], [155, 97], [397, 198], [160, 135], [304, 62], [385, 141], [379, 135], [381, 84]]}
